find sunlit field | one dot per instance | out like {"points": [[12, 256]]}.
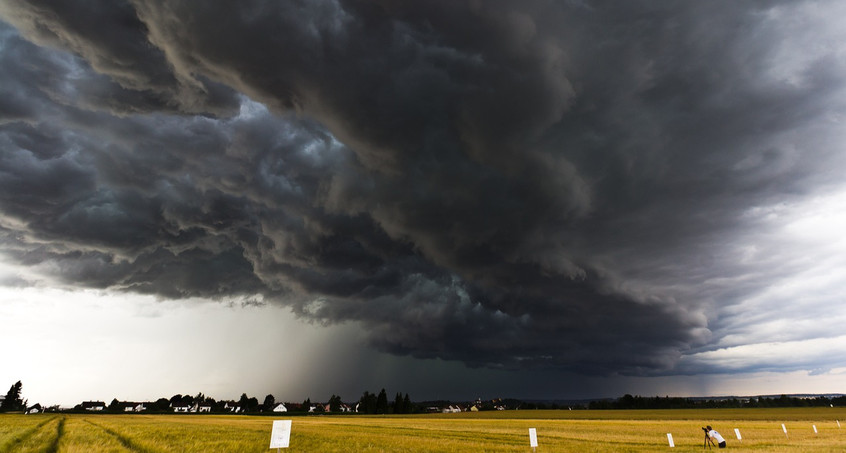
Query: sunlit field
{"points": [[505, 431]]}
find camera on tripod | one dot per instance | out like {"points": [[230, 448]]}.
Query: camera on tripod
{"points": [[708, 442]]}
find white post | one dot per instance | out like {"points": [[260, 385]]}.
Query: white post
{"points": [[838, 423], [737, 433], [815, 429], [670, 440], [785, 431]]}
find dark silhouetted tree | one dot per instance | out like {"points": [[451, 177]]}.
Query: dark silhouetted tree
{"points": [[13, 401], [367, 403], [397, 407], [269, 402], [334, 403], [382, 403], [407, 408], [248, 404], [160, 405], [114, 406]]}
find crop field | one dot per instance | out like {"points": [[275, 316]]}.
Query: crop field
{"points": [[505, 431]]}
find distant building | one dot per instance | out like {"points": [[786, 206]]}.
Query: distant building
{"points": [[231, 406], [95, 406], [280, 407], [181, 407], [133, 407], [203, 407]]}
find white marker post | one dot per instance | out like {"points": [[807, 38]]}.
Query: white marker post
{"points": [[815, 429], [737, 433], [785, 431], [838, 424], [533, 438], [280, 436], [670, 440]]}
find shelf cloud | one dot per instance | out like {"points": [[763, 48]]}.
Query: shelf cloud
{"points": [[602, 188]]}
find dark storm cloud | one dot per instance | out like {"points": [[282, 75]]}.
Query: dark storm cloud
{"points": [[111, 38], [538, 184]]}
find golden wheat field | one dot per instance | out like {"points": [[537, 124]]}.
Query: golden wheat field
{"points": [[507, 431]]}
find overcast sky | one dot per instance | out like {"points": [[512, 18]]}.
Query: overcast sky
{"points": [[454, 199]]}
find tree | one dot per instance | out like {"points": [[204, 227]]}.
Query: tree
{"points": [[160, 405], [114, 406], [253, 404], [248, 404], [367, 403], [269, 402], [382, 403], [334, 403], [398, 408], [13, 401], [406, 405]]}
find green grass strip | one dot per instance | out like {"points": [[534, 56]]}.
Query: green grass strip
{"points": [[21, 437], [60, 431], [126, 441]]}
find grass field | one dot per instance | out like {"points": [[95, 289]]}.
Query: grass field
{"points": [[506, 431]]}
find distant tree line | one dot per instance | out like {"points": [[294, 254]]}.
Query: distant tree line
{"points": [[368, 403], [373, 403], [638, 402]]}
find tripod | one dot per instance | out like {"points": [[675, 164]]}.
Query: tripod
{"points": [[707, 442]]}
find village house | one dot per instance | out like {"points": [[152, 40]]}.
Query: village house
{"points": [[280, 407], [231, 406], [133, 407], [181, 407], [95, 406]]}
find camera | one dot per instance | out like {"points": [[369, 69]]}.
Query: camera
{"points": [[705, 429]]}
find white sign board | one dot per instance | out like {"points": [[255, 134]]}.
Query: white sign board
{"points": [[737, 431], [280, 436], [670, 440], [533, 437]]}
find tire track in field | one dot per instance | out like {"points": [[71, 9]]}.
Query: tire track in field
{"points": [[60, 431], [124, 440], [22, 437]]}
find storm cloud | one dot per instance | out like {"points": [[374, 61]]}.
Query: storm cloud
{"points": [[583, 186]]}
